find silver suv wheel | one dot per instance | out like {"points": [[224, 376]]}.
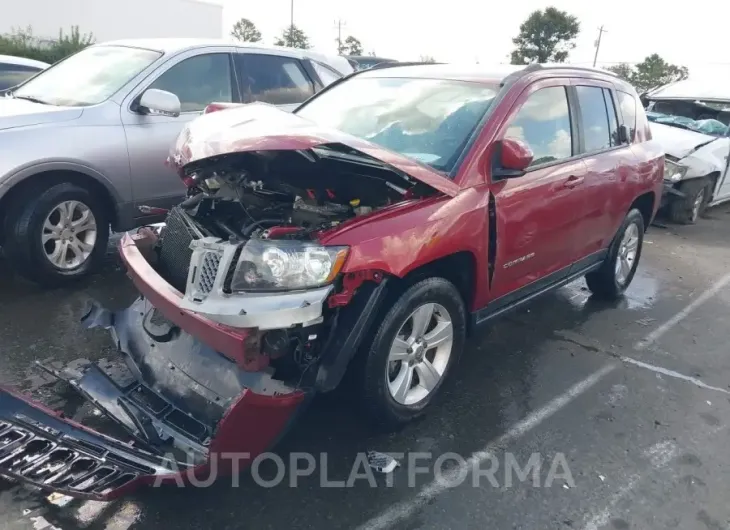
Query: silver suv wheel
{"points": [[69, 235]]}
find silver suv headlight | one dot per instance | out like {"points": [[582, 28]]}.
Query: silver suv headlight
{"points": [[283, 265], [674, 172]]}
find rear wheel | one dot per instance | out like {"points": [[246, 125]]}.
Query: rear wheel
{"points": [[618, 269], [412, 353], [56, 235], [688, 209]]}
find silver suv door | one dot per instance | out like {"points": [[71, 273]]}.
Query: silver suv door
{"points": [[197, 77]]}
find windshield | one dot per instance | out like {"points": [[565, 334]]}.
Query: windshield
{"points": [[430, 120], [709, 126], [88, 77]]}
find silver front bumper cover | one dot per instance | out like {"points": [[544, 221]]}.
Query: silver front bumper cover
{"points": [[211, 260]]}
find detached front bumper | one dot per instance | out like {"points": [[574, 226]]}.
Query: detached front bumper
{"points": [[670, 193], [184, 402]]}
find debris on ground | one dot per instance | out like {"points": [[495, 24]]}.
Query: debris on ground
{"points": [[381, 462], [645, 321]]}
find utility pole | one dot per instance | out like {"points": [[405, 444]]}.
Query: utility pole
{"points": [[291, 25], [601, 31], [338, 25]]}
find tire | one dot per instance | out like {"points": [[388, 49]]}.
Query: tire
{"points": [[373, 373], [687, 210], [24, 232], [607, 282]]}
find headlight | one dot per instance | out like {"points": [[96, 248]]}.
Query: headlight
{"points": [[286, 265], [674, 172]]}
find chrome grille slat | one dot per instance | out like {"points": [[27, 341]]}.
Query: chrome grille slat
{"points": [[208, 271]]}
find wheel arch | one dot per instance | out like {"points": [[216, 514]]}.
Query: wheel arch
{"points": [[645, 203], [36, 177]]}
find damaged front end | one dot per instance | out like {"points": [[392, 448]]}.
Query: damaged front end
{"points": [[246, 309]]}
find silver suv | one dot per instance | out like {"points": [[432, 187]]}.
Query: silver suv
{"points": [[83, 144]]}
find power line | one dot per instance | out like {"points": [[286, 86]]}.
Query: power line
{"points": [[338, 25], [598, 44]]}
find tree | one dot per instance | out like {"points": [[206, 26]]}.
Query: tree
{"points": [[246, 31], [293, 37], [427, 59], [22, 43], [623, 70], [351, 46], [545, 37], [649, 73]]}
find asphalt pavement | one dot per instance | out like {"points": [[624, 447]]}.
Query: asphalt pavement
{"points": [[569, 414]]}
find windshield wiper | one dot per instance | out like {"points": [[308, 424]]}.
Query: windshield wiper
{"points": [[31, 98]]}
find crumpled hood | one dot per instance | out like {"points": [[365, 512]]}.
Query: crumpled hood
{"points": [[23, 113], [262, 127], [678, 142]]}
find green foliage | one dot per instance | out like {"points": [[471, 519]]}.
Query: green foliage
{"points": [[293, 37], [22, 43], [246, 31], [545, 37], [350, 46], [651, 72]]}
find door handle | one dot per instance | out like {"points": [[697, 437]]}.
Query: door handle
{"points": [[573, 181]]}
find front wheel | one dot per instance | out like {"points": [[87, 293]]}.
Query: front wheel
{"points": [[618, 269], [412, 353], [688, 209], [56, 235]]}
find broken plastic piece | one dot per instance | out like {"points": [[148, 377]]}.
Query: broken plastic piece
{"points": [[381, 462]]}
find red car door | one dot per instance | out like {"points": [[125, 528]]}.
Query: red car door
{"points": [[609, 163], [538, 214]]}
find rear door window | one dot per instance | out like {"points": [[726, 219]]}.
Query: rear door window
{"points": [[594, 118], [543, 122], [612, 121], [273, 79], [627, 104]]}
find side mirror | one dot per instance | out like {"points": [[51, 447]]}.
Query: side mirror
{"points": [[155, 101], [511, 159]]}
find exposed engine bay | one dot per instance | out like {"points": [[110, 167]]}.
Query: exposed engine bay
{"points": [[243, 195], [243, 247]]}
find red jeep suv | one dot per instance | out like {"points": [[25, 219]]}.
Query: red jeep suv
{"points": [[364, 235]]}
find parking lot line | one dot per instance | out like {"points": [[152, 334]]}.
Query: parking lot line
{"points": [[404, 509], [676, 319]]}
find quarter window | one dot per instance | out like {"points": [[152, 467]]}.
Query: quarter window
{"points": [[627, 103], [543, 122], [594, 118], [326, 74], [274, 79], [198, 81]]}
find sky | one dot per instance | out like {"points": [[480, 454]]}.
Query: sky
{"points": [[468, 30]]}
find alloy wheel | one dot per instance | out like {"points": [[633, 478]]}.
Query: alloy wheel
{"points": [[627, 251], [420, 354], [69, 235]]}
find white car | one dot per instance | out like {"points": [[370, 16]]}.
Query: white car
{"points": [[690, 120], [15, 70]]}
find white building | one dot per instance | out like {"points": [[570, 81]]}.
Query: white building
{"points": [[116, 19]]}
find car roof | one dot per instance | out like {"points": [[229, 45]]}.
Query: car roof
{"points": [[176, 45], [22, 61], [168, 45], [482, 73]]}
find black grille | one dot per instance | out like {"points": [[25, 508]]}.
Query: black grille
{"points": [[58, 463], [175, 252]]}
